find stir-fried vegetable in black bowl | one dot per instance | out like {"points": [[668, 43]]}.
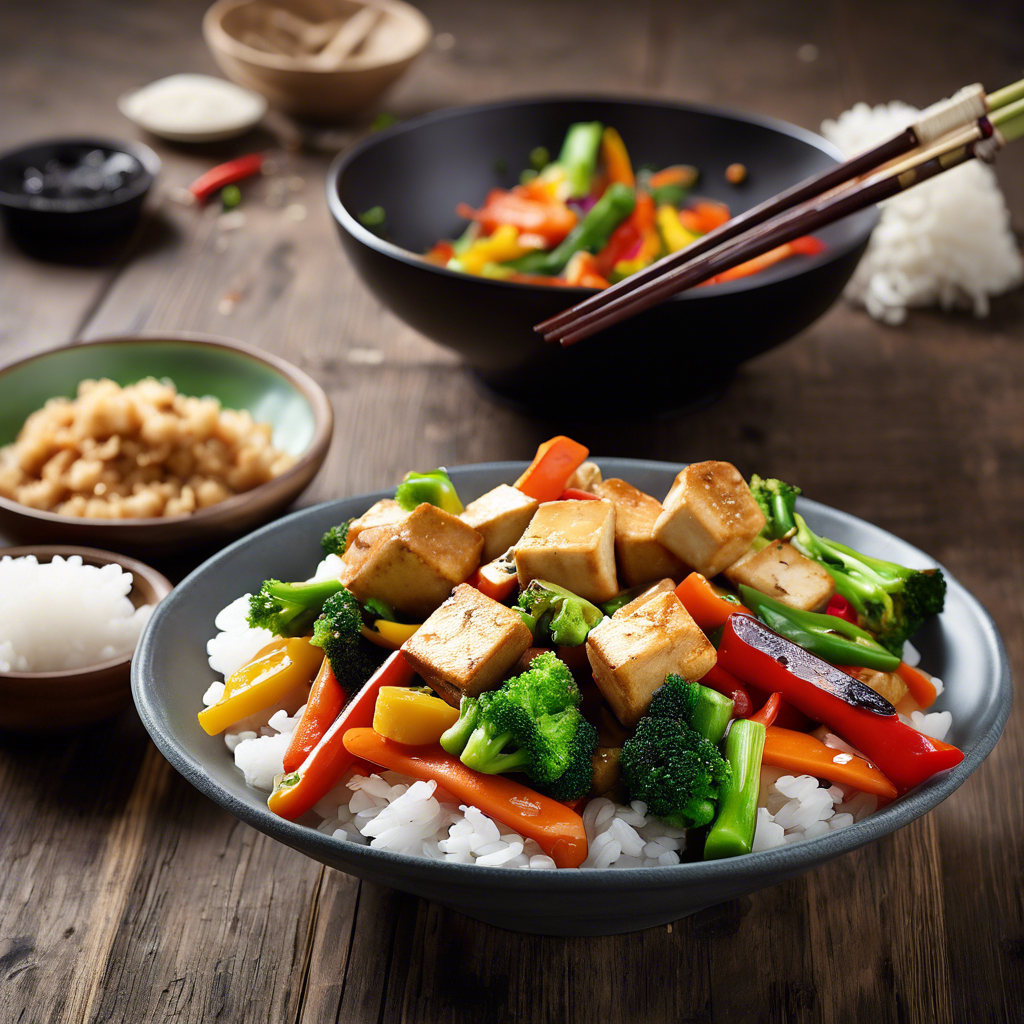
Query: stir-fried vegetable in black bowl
{"points": [[400, 192]]}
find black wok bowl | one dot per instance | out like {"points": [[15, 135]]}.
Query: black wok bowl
{"points": [[667, 356]]}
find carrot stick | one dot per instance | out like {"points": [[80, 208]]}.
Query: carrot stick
{"points": [[803, 753], [678, 174], [921, 688], [616, 158], [557, 830], [708, 606], [326, 699], [556, 460]]}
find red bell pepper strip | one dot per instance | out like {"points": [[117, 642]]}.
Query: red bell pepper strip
{"points": [[226, 174], [841, 608], [301, 790], [728, 685], [623, 243], [769, 712], [551, 220], [326, 699], [753, 652], [575, 494], [558, 831]]}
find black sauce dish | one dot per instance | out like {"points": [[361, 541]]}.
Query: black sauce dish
{"points": [[64, 199], [664, 358], [170, 672]]}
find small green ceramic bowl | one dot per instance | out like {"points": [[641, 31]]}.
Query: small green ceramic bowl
{"points": [[241, 377]]}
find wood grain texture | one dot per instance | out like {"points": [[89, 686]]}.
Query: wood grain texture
{"points": [[125, 896]]}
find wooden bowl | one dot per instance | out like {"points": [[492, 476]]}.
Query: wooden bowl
{"points": [[241, 377], [292, 84], [42, 702]]}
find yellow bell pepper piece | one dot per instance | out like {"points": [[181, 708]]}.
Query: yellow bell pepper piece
{"points": [[268, 678], [673, 234], [411, 716], [500, 246], [389, 635], [616, 158]]}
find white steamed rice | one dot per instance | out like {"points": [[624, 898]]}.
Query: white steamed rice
{"points": [[97, 618], [403, 815], [946, 242]]}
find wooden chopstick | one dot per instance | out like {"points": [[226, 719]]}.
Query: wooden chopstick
{"points": [[783, 228], [582, 320]]}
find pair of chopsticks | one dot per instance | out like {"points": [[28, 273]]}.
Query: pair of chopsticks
{"points": [[966, 126]]}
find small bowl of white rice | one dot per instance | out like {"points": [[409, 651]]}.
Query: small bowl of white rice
{"points": [[70, 619]]}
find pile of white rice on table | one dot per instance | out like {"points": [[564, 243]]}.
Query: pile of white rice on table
{"points": [[405, 815], [97, 618], [946, 242]]}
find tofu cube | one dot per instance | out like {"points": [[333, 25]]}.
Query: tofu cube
{"points": [[414, 564], [639, 558], [501, 517], [710, 517], [571, 543], [468, 645], [885, 684], [632, 655], [665, 586], [384, 513], [781, 572]]}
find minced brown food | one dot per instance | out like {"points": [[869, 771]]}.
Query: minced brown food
{"points": [[136, 452]]}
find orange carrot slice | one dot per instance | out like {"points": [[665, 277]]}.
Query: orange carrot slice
{"points": [[921, 688], [708, 605], [556, 460]]}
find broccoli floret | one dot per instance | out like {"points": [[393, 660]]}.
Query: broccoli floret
{"points": [[531, 724], [891, 600], [338, 632], [289, 609], [556, 614], [434, 488], [334, 540], [675, 771]]}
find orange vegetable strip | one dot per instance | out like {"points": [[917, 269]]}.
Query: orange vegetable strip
{"points": [[616, 158], [708, 606], [754, 266], [675, 175], [802, 753], [769, 711], [921, 688], [556, 460], [550, 219], [711, 214], [495, 585], [326, 699], [557, 830], [300, 791]]}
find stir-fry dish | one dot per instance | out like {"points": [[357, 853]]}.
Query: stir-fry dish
{"points": [[588, 219], [569, 672]]}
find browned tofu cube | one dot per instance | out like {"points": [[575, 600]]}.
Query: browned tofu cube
{"points": [[885, 684], [386, 512], [571, 543], [468, 645], [710, 517], [631, 656], [781, 572], [665, 586], [501, 517], [414, 564], [639, 558]]}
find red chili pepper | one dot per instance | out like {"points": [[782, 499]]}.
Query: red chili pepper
{"points": [[751, 651], [575, 494], [769, 712], [726, 683], [218, 177], [841, 609], [300, 791], [326, 699]]}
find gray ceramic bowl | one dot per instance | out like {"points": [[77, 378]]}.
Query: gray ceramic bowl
{"points": [[962, 647]]}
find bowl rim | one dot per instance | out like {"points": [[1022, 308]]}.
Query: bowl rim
{"points": [[218, 37], [780, 272], [752, 867], [147, 159], [323, 429], [156, 581]]}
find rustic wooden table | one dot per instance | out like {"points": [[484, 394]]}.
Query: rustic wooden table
{"points": [[126, 896]]}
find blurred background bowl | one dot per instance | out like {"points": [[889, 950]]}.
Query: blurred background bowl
{"points": [[241, 377], [293, 85], [71, 227], [42, 702], [667, 356]]}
